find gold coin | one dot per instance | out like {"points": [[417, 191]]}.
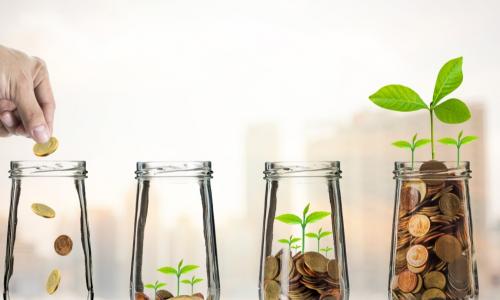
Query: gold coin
{"points": [[163, 295], [433, 294], [47, 148], [141, 296], [419, 185], [271, 268], [419, 285], [447, 248], [43, 210], [272, 290], [449, 204], [53, 281], [435, 279], [316, 262], [417, 270], [333, 269], [417, 256], [419, 225], [407, 281], [410, 197], [63, 245]]}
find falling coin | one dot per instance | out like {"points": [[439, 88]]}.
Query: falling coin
{"points": [[449, 204], [419, 225], [448, 248], [63, 245], [47, 148], [43, 210], [53, 281], [417, 256], [407, 281]]}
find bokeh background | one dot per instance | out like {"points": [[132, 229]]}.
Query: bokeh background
{"points": [[244, 82]]}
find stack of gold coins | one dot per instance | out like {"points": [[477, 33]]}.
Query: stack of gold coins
{"points": [[303, 276], [432, 255]]}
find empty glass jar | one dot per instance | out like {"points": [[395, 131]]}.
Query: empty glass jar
{"points": [[174, 249], [303, 250], [48, 245], [432, 246]]}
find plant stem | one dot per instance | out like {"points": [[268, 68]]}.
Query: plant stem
{"points": [[192, 288], [458, 157], [303, 237], [178, 284], [412, 157], [433, 154], [318, 244]]}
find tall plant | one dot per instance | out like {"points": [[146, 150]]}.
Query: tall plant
{"points": [[400, 98]]}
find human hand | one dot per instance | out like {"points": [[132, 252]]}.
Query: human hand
{"points": [[26, 100]]}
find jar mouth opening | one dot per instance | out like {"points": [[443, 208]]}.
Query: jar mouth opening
{"points": [[174, 169], [42, 168], [287, 169], [449, 169]]}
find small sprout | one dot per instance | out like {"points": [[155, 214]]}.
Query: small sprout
{"points": [[451, 111], [461, 140], [181, 270], [289, 242], [326, 250], [296, 248], [318, 236], [306, 219], [192, 282], [155, 286], [414, 144]]}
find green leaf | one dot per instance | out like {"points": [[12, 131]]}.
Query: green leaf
{"points": [[325, 233], [188, 268], [185, 281], [160, 285], [398, 98], [316, 216], [312, 235], [306, 209], [149, 286], [460, 135], [452, 111], [448, 141], [289, 219], [167, 270], [180, 264], [295, 240], [449, 79], [402, 144], [414, 138], [421, 143], [283, 241], [468, 139], [197, 280]]}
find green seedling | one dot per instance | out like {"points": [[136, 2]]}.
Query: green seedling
{"points": [[318, 235], [326, 250], [414, 144], [452, 111], [306, 219], [296, 248], [459, 142], [155, 286], [289, 242], [192, 282], [181, 270]]}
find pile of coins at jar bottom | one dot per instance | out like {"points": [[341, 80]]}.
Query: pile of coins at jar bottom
{"points": [[302, 276], [62, 246], [432, 259], [164, 295]]}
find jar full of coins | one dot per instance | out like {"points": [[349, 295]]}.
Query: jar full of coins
{"points": [[303, 250], [432, 245], [48, 243], [174, 249]]}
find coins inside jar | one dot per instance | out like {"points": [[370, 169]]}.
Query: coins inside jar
{"points": [[448, 248], [47, 148], [43, 210], [53, 281], [63, 245], [419, 225]]}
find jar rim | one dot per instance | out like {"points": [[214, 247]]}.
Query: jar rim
{"points": [[288, 169], [406, 170], [174, 169], [42, 168]]}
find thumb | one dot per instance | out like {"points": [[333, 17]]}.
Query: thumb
{"points": [[31, 114]]}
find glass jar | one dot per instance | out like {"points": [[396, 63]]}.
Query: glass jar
{"points": [[48, 243], [303, 249], [174, 249], [432, 244]]}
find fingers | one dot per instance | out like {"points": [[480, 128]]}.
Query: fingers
{"points": [[43, 93], [3, 131], [30, 111], [9, 122]]}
